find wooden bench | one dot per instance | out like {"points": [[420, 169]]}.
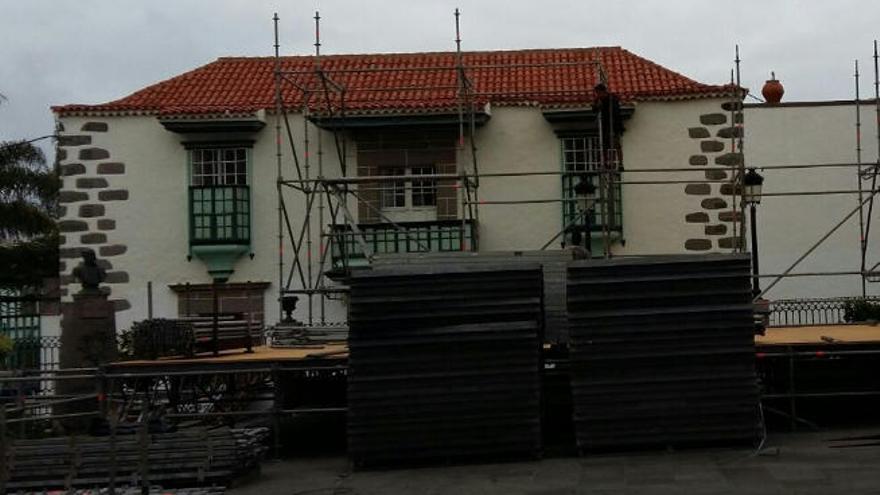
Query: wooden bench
{"points": [[233, 332]]}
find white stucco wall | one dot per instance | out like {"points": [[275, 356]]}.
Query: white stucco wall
{"points": [[518, 139], [657, 138], [788, 226], [153, 222]]}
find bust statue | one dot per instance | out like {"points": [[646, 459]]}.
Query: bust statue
{"points": [[89, 274]]}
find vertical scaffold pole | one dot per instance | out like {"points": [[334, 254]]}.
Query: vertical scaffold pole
{"points": [[464, 187], [320, 187], [278, 164], [733, 174], [862, 245], [876, 170], [739, 123]]}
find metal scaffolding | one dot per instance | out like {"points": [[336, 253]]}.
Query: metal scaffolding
{"points": [[326, 95]]}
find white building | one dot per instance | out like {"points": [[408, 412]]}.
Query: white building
{"points": [[814, 133], [142, 172]]}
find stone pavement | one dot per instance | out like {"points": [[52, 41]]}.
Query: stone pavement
{"points": [[796, 463]]}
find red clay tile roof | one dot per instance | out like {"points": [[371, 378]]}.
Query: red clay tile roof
{"points": [[409, 82]]}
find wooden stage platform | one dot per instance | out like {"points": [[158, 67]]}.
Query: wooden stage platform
{"points": [[262, 357], [819, 335], [336, 355]]}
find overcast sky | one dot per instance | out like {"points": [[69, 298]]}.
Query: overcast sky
{"points": [[92, 51]]}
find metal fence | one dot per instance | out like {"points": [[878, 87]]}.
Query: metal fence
{"points": [[820, 311]]}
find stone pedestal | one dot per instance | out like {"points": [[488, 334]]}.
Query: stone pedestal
{"points": [[88, 339]]}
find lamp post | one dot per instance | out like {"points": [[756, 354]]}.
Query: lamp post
{"points": [[585, 195], [752, 183]]}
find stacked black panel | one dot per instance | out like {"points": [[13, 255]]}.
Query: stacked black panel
{"points": [[662, 351], [444, 364]]}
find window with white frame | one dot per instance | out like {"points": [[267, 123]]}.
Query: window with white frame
{"points": [[424, 191], [219, 166], [393, 192], [409, 192]]}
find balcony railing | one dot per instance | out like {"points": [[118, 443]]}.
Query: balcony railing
{"points": [[403, 237], [799, 312], [220, 214]]}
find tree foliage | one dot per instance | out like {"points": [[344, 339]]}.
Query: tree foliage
{"points": [[28, 198]]}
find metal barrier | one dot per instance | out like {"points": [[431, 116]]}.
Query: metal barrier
{"points": [[819, 311]]}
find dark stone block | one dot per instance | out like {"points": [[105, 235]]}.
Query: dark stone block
{"points": [[61, 211], [719, 229], [727, 189], [698, 189], [74, 140], [106, 265], [729, 216], [91, 183], [72, 226], [93, 154], [60, 154], [729, 159], [62, 266], [71, 252], [699, 160], [698, 132], [698, 244], [90, 211], [111, 168], [716, 174], [93, 238], [114, 195], [73, 169], [713, 203], [729, 242], [730, 132], [95, 127], [732, 106], [62, 239], [106, 224], [699, 217], [116, 278], [713, 119], [72, 196], [112, 250], [711, 146]]}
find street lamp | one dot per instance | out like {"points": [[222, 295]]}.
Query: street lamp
{"points": [[585, 196], [752, 183]]}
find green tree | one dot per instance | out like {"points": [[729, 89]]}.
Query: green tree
{"points": [[28, 198]]}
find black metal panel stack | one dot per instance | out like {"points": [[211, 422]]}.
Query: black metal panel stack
{"points": [[444, 364], [662, 351]]}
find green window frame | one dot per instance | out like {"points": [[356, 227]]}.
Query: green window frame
{"points": [[581, 156], [219, 195]]}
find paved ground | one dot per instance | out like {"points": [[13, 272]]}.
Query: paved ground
{"points": [[790, 463]]}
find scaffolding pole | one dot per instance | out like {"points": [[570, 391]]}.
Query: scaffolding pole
{"points": [[862, 245], [325, 98]]}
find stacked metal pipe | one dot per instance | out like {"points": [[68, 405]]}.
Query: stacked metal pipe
{"points": [[186, 458], [444, 364], [662, 351]]}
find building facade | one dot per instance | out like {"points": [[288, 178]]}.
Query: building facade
{"points": [[177, 185]]}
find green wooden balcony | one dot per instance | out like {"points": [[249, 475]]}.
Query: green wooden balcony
{"points": [[403, 237], [220, 215]]}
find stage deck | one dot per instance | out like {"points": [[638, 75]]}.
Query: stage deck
{"points": [[819, 335], [263, 357]]}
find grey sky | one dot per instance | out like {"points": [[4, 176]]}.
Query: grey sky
{"points": [[91, 51]]}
